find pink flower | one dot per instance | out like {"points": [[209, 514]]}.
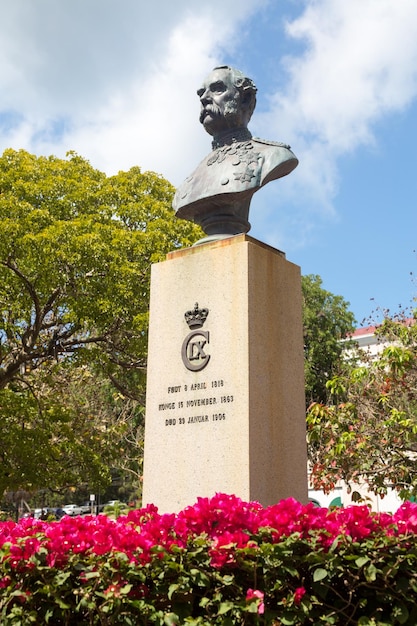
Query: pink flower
{"points": [[258, 596], [5, 582], [225, 545], [24, 596], [299, 594], [225, 522], [406, 518]]}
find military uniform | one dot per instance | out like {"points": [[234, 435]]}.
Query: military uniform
{"points": [[228, 177]]}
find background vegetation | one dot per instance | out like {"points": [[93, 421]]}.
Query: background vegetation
{"points": [[75, 255], [366, 432]]}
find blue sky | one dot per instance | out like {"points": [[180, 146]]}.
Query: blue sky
{"points": [[337, 79]]}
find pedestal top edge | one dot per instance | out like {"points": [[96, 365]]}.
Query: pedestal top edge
{"points": [[222, 243]]}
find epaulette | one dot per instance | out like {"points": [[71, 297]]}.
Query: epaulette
{"points": [[271, 143]]}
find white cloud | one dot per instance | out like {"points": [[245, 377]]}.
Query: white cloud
{"points": [[66, 55], [154, 123], [114, 81], [359, 63]]}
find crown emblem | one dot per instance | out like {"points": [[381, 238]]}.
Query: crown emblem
{"points": [[196, 317]]}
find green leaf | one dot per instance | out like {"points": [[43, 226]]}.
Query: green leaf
{"points": [[172, 589], [91, 575], [319, 574], [288, 619], [225, 607], [199, 577], [370, 573], [171, 619], [61, 603], [227, 579]]}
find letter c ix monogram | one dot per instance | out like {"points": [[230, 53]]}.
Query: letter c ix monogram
{"points": [[192, 351]]}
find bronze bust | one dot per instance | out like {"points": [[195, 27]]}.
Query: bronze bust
{"points": [[218, 193]]}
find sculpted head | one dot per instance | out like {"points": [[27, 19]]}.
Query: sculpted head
{"points": [[228, 99]]}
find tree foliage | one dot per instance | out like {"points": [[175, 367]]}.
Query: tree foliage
{"points": [[326, 321], [75, 254], [367, 431], [60, 427]]}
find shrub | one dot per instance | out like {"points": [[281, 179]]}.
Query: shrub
{"points": [[221, 561]]}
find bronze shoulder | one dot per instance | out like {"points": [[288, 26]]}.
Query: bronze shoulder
{"points": [[267, 142]]}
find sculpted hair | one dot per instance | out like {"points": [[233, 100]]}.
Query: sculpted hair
{"points": [[245, 85]]}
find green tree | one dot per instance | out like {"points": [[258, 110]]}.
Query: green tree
{"points": [[75, 253], [367, 431], [326, 321], [60, 426]]}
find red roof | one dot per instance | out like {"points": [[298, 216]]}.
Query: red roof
{"points": [[366, 330], [370, 330]]}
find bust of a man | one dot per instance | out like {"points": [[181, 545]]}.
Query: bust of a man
{"points": [[217, 195]]}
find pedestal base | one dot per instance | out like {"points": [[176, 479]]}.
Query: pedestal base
{"points": [[225, 409]]}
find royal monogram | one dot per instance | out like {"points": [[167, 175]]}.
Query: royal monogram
{"points": [[193, 351], [193, 354]]}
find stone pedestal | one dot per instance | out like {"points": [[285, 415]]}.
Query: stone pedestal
{"points": [[225, 395]]}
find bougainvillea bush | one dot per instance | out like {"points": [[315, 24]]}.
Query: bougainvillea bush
{"points": [[221, 561]]}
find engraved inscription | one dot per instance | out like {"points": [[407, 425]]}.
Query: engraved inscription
{"points": [[211, 394], [198, 418], [201, 401]]}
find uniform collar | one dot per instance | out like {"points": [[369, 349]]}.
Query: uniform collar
{"points": [[231, 136]]}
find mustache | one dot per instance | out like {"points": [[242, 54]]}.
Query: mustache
{"points": [[210, 109]]}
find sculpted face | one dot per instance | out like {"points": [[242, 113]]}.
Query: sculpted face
{"points": [[221, 108]]}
